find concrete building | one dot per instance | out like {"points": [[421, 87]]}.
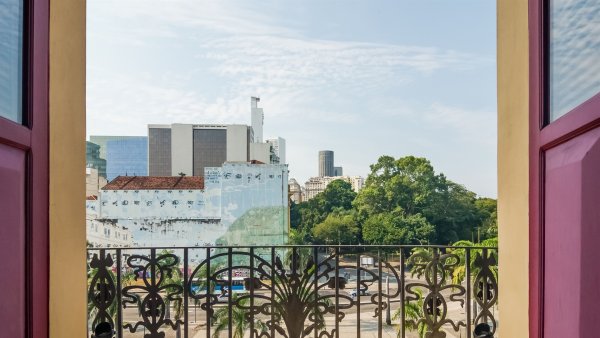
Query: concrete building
{"points": [[296, 191], [338, 171], [316, 185], [326, 163], [257, 120], [189, 149], [93, 182], [278, 150], [93, 158], [261, 152], [235, 204], [104, 234]]}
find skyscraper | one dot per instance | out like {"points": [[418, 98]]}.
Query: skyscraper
{"points": [[326, 163]]}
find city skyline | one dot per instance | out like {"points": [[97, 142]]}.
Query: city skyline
{"points": [[359, 82]]}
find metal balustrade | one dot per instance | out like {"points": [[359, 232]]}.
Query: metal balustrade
{"points": [[292, 291]]}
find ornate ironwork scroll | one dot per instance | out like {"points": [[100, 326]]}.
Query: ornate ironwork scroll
{"points": [[155, 273], [436, 269], [485, 288], [102, 290]]}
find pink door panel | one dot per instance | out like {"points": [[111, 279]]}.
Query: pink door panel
{"points": [[12, 241]]}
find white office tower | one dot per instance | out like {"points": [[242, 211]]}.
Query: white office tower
{"points": [[258, 118], [278, 147]]}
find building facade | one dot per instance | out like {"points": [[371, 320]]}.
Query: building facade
{"points": [[278, 150], [126, 156], [104, 234], [235, 204], [338, 171], [189, 149], [316, 185], [296, 191], [93, 182], [326, 163], [93, 158]]}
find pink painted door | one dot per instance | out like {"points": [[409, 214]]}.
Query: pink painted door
{"points": [[24, 168], [564, 168]]}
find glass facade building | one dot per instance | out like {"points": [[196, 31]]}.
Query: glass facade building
{"points": [[209, 149], [127, 157], [159, 151], [93, 159]]}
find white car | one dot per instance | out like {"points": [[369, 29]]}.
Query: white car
{"points": [[363, 292]]}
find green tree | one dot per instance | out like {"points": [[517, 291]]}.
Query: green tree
{"points": [[338, 196], [395, 227], [337, 228], [407, 199], [487, 208]]}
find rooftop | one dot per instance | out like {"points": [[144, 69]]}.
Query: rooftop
{"points": [[155, 183]]}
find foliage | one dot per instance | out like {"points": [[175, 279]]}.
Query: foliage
{"points": [[414, 204], [238, 319], [413, 312], [487, 208], [337, 197], [460, 272], [395, 227], [337, 228]]}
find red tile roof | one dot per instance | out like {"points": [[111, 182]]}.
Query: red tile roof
{"points": [[156, 183]]}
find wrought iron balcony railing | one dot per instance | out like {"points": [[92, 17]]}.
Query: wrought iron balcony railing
{"points": [[292, 291]]}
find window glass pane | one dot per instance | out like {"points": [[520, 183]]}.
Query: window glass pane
{"points": [[574, 54], [11, 59]]}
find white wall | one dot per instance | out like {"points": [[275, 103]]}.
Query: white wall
{"points": [[182, 149], [237, 143], [260, 152]]}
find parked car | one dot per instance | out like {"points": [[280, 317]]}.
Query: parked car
{"points": [[363, 292]]}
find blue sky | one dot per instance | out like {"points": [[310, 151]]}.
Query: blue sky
{"points": [[362, 78]]}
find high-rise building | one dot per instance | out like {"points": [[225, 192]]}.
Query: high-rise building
{"points": [[338, 171], [126, 156], [93, 159], [188, 149], [257, 120], [278, 150], [326, 163]]}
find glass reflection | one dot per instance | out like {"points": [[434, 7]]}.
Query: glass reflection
{"points": [[11, 59], [574, 54]]}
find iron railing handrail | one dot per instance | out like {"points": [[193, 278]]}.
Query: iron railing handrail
{"points": [[358, 246], [292, 278]]}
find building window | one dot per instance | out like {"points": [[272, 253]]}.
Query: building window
{"points": [[573, 54], [11, 59]]}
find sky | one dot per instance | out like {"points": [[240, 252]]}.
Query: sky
{"points": [[362, 78]]}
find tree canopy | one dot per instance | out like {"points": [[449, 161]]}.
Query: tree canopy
{"points": [[404, 201]]}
